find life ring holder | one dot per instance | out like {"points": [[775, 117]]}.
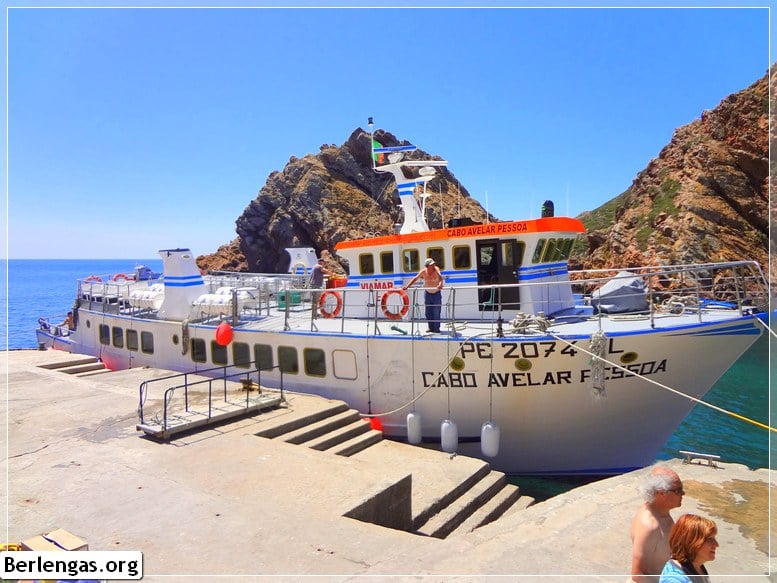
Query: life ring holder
{"points": [[123, 277], [322, 306], [93, 278], [405, 304]]}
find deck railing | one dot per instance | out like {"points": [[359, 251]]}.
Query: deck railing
{"points": [[217, 380]]}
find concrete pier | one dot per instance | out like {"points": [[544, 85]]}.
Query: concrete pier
{"points": [[231, 505]]}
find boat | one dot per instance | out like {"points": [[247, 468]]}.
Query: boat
{"points": [[537, 368]]}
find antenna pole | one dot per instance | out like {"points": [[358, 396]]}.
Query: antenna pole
{"points": [[372, 142]]}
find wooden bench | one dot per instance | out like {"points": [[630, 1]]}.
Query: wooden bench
{"points": [[689, 456]]}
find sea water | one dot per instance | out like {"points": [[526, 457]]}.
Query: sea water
{"points": [[46, 288]]}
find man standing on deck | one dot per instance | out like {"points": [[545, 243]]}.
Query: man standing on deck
{"points": [[432, 293], [662, 490], [317, 283]]}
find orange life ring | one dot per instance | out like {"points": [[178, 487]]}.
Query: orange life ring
{"points": [[93, 278], [123, 277], [323, 308], [405, 304]]}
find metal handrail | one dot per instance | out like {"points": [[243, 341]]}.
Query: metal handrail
{"points": [[144, 386]]}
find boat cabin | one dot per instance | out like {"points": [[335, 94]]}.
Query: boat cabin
{"points": [[480, 263]]}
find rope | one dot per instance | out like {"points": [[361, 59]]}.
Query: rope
{"points": [[670, 389], [598, 346], [769, 330], [430, 387]]}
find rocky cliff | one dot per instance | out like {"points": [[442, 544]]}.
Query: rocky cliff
{"points": [[321, 199], [703, 198]]}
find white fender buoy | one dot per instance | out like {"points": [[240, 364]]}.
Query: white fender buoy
{"points": [[449, 436], [489, 439], [414, 428]]}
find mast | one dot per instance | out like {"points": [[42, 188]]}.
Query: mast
{"points": [[414, 220]]}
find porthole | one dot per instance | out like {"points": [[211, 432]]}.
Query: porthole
{"points": [[457, 363], [629, 357], [175, 339], [523, 364]]}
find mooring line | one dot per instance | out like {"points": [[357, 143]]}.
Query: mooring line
{"points": [[766, 327], [670, 389], [429, 388]]}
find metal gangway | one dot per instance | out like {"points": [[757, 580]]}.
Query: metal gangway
{"points": [[202, 398]]}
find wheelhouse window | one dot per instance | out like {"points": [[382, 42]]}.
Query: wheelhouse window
{"points": [[462, 257], [556, 250], [538, 251], [118, 337], [132, 340], [218, 353], [147, 342], [411, 260], [366, 264], [288, 359], [438, 255], [315, 362], [387, 262], [263, 356], [198, 352], [241, 354]]}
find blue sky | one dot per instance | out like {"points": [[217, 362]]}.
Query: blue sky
{"points": [[131, 130]]}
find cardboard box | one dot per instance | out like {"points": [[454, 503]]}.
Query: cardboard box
{"points": [[56, 540]]}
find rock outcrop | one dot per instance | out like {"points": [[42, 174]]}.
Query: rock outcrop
{"points": [[705, 198], [319, 200]]}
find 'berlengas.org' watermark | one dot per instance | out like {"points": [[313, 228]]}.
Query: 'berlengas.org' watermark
{"points": [[71, 564]]}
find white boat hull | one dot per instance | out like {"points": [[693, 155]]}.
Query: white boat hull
{"points": [[536, 386]]}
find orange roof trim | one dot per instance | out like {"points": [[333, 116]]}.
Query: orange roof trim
{"points": [[545, 225]]}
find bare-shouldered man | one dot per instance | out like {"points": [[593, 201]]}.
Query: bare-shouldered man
{"points": [[662, 490]]}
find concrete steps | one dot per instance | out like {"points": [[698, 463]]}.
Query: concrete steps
{"points": [[505, 501], [334, 428], [79, 367], [451, 495]]}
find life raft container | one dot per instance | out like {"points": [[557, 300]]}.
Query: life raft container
{"points": [[390, 313], [324, 308]]}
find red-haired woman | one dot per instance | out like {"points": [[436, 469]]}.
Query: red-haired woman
{"points": [[692, 542]]}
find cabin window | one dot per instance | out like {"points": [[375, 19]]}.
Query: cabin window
{"points": [[410, 260], [199, 354], [387, 262], [218, 353], [487, 255], [315, 362], [132, 340], [438, 255], [287, 359], [508, 258], [538, 251], [118, 337], [105, 334], [344, 365], [462, 257], [512, 253], [263, 356], [366, 264], [147, 342], [241, 354]]}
